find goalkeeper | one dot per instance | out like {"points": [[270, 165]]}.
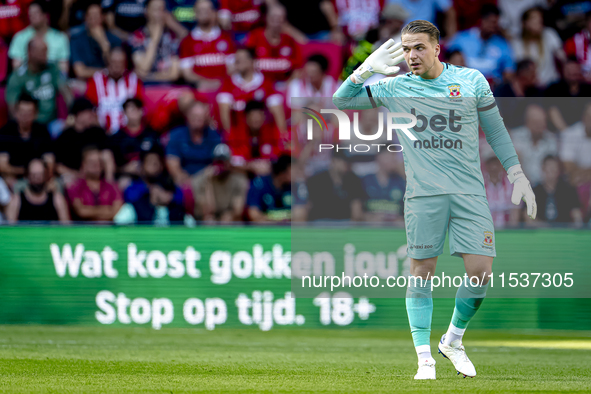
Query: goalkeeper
{"points": [[445, 188]]}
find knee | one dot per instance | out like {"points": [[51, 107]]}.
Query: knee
{"points": [[423, 268]]}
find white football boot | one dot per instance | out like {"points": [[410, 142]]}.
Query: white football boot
{"points": [[457, 355], [426, 369]]}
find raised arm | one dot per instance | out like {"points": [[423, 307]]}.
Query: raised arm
{"points": [[351, 94]]}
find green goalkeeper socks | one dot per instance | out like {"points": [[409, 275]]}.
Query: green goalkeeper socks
{"points": [[468, 300], [419, 307]]}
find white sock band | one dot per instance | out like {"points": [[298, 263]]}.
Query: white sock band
{"points": [[423, 349], [455, 330]]}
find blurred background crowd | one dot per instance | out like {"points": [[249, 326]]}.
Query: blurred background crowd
{"points": [[165, 111]]}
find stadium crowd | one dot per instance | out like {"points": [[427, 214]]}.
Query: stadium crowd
{"points": [[162, 111]]}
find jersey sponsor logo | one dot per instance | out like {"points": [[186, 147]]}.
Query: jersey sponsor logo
{"points": [[438, 143], [454, 91], [9, 11], [210, 59], [437, 123], [273, 64], [246, 16]]}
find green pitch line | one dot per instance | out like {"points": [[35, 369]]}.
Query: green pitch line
{"points": [[54, 359]]}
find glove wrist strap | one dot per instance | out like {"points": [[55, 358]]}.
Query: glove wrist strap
{"points": [[514, 173], [363, 72]]}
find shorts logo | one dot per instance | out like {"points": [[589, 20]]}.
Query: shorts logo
{"points": [[454, 91], [488, 238]]}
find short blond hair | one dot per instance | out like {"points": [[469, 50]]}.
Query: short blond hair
{"points": [[421, 26]]}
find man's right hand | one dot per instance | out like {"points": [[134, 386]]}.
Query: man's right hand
{"points": [[382, 61]]}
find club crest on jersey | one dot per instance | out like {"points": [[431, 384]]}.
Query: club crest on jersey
{"points": [[488, 238], [454, 91]]}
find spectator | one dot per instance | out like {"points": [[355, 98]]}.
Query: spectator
{"points": [[13, 18], [36, 202], [428, 10], [313, 83], [572, 93], [568, 16], [123, 17], [575, 145], [245, 85], [240, 17], [484, 48], [23, 140], [557, 201], [41, 80], [5, 198], [269, 197], [468, 12], [456, 58], [58, 48], [91, 197], [524, 84], [385, 190], [534, 142], [153, 195], [311, 20], [92, 45], [392, 22], [109, 88], [337, 193], [358, 17], [155, 47], [127, 143], [73, 15], [219, 190], [498, 193], [169, 112], [579, 47], [190, 148], [83, 133], [254, 142], [540, 44], [512, 12], [205, 52], [277, 53]]}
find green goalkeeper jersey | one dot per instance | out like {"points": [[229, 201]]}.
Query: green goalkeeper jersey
{"points": [[445, 157]]}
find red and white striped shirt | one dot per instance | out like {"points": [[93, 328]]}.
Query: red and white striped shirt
{"points": [[109, 95], [207, 53], [579, 46]]}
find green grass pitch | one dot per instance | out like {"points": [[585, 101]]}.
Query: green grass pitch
{"points": [[52, 359]]}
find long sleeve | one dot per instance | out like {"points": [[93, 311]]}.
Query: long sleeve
{"points": [[492, 124], [497, 136], [352, 96]]}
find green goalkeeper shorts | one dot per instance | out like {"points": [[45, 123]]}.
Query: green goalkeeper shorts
{"points": [[466, 217]]}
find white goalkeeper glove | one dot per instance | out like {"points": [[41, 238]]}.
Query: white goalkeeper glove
{"points": [[522, 190], [382, 61]]}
